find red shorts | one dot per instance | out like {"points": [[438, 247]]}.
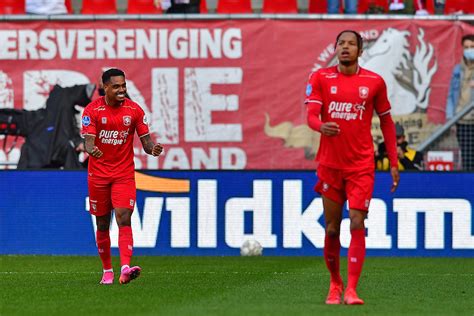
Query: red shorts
{"points": [[355, 186], [106, 194]]}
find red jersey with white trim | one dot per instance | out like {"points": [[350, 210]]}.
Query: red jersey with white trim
{"points": [[350, 101], [113, 128]]}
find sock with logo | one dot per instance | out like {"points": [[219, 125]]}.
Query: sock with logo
{"points": [[355, 257], [332, 247], [125, 243], [103, 246]]}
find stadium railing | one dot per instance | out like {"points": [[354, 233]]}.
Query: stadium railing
{"points": [[443, 144]]}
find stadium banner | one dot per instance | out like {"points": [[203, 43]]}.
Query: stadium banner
{"points": [[228, 94], [200, 213]]}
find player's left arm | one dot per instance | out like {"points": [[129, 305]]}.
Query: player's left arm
{"points": [[143, 132], [150, 147], [382, 107]]}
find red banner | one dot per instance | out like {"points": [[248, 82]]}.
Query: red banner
{"points": [[229, 94]]}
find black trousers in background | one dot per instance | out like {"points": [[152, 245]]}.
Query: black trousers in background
{"points": [[465, 135], [192, 7]]}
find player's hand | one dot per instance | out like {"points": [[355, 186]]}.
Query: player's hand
{"points": [[157, 150], [395, 178], [95, 152], [330, 129], [400, 153]]}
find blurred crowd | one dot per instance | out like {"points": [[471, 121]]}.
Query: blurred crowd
{"points": [[418, 7]]}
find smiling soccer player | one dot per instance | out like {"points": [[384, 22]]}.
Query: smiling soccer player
{"points": [[108, 125]]}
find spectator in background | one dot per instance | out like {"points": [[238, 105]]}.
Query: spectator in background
{"points": [[408, 7], [350, 6], [408, 158], [460, 95], [396, 6], [46, 7], [420, 7], [179, 6]]}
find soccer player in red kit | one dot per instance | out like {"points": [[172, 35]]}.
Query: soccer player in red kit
{"points": [[340, 103], [108, 125]]}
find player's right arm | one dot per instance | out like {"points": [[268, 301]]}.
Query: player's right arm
{"points": [[89, 132], [91, 148], [314, 103]]}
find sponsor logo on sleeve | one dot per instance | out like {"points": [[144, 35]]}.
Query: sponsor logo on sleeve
{"points": [[309, 89], [86, 120]]}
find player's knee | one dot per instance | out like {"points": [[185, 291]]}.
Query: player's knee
{"points": [[332, 232], [103, 227], [357, 223], [124, 220]]}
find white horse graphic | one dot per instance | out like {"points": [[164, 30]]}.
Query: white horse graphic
{"points": [[407, 77]]}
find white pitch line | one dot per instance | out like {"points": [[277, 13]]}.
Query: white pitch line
{"points": [[234, 272]]}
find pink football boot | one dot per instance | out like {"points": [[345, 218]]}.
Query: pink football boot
{"points": [[107, 278], [130, 273]]}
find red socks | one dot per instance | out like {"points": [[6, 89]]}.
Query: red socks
{"points": [[355, 257], [103, 246], [125, 243], [332, 247]]}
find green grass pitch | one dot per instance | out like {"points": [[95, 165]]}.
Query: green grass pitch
{"points": [[62, 285]]}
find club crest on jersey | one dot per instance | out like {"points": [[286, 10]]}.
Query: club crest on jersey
{"points": [[104, 120], [86, 121], [363, 92], [127, 120], [333, 89], [325, 187]]}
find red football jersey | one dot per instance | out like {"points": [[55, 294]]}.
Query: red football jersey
{"points": [[113, 129], [350, 101]]}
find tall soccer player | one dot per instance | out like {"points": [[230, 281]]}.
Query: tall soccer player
{"points": [[108, 125], [340, 103]]}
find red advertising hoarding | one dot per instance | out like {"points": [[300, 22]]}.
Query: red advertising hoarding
{"points": [[228, 94]]}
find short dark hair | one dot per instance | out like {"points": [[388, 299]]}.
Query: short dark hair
{"points": [[468, 37], [112, 72], [360, 40]]}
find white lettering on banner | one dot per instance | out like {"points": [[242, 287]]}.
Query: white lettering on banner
{"points": [[434, 211], [207, 214], [38, 83], [9, 47], [199, 104], [66, 48], [179, 43], [296, 221], [165, 93], [145, 231], [105, 40], [261, 207], [299, 222], [27, 45], [200, 158], [326, 54], [376, 224], [49, 48], [180, 221]]}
